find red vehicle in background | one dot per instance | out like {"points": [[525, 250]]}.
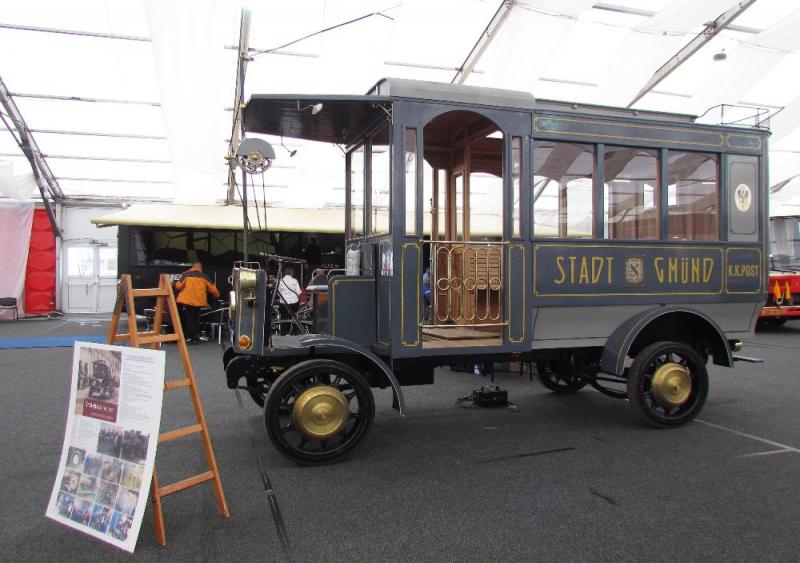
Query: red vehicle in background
{"points": [[783, 290]]}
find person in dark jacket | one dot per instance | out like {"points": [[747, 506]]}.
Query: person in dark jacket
{"points": [[194, 286], [313, 254]]}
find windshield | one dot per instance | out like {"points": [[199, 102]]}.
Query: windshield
{"points": [[784, 243]]}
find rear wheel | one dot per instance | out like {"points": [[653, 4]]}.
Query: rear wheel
{"points": [[258, 385], [318, 410], [560, 375], [667, 383]]}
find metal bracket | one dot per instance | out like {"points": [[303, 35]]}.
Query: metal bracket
{"points": [[386, 110]]}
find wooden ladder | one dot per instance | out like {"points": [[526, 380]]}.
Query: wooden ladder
{"points": [[166, 298]]}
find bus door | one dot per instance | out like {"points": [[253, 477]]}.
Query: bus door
{"points": [[466, 254]]}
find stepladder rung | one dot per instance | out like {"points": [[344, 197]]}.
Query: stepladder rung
{"points": [[125, 337], [151, 338], [180, 433], [177, 383], [154, 292], [185, 483]]}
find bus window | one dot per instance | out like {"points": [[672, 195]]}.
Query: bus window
{"points": [[516, 173], [784, 243], [410, 167], [693, 196], [379, 183], [434, 201], [356, 188], [631, 193], [459, 204], [562, 189]]}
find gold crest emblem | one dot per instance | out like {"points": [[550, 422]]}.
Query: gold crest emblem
{"points": [[634, 270], [743, 197]]}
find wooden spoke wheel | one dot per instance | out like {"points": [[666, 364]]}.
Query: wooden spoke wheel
{"points": [[559, 376], [318, 410], [667, 383]]}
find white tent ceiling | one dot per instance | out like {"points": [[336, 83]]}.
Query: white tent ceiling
{"points": [[131, 99]]}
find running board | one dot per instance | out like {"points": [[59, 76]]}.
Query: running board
{"points": [[748, 360]]}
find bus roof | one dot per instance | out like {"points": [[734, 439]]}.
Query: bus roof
{"points": [[344, 118]]}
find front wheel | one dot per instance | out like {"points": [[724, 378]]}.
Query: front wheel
{"points": [[318, 410], [667, 383]]}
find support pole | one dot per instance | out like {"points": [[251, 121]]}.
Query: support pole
{"points": [[483, 42], [236, 132], [245, 218], [710, 31]]}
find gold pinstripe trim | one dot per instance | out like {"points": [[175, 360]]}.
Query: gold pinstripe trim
{"points": [[336, 282], [624, 125], [510, 278], [728, 142], [761, 276], [403, 247], [614, 246]]}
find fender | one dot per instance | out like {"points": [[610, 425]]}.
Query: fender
{"points": [[321, 344], [619, 343]]}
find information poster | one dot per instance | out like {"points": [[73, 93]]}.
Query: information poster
{"points": [[109, 450]]}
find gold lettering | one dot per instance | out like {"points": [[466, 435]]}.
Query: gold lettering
{"points": [[672, 270], [684, 271], [708, 267], [597, 268], [696, 270], [659, 268], [559, 281], [584, 276], [583, 270], [743, 270]]}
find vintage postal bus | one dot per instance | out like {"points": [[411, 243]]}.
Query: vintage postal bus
{"points": [[623, 249]]}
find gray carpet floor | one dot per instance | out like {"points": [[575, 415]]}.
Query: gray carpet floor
{"points": [[563, 478]]}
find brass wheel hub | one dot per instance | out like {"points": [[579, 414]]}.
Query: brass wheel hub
{"points": [[671, 385], [320, 412]]}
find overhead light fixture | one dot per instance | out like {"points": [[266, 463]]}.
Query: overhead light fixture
{"points": [[721, 56], [255, 155], [315, 108]]}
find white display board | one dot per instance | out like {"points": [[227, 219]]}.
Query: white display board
{"points": [[109, 451]]}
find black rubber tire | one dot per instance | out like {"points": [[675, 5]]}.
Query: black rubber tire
{"points": [[559, 376], [641, 372], [298, 378]]}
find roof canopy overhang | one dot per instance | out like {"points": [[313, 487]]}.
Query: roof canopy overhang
{"points": [[341, 119], [226, 218]]}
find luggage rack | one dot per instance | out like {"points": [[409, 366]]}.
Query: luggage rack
{"points": [[737, 114]]}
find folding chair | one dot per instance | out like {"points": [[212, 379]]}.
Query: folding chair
{"points": [[9, 303]]}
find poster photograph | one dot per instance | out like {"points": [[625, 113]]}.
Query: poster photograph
{"points": [[103, 479]]}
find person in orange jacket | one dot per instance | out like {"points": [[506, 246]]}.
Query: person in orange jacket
{"points": [[194, 286]]}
